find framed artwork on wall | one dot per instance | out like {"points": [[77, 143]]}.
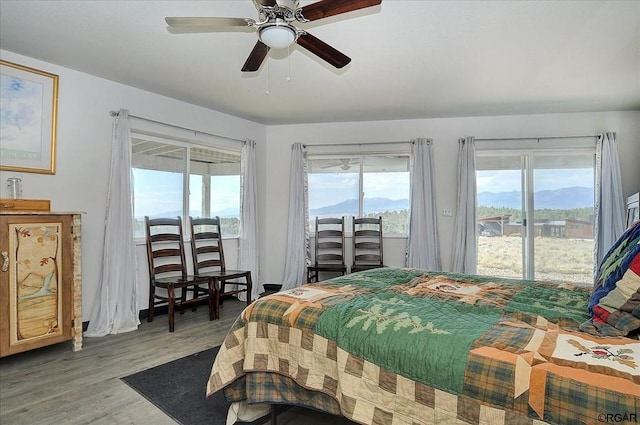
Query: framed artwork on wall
{"points": [[28, 118]]}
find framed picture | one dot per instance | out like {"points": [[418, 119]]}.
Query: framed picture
{"points": [[28, 114]]}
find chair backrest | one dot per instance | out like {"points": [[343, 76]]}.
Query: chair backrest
{"points": [[367, 242], [329, 242], [165, 247], [206, 244]]}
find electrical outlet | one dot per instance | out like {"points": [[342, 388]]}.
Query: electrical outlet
{"points": [[447, 212]]}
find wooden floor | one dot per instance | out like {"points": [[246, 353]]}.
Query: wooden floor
{"points": [[54, 385]]}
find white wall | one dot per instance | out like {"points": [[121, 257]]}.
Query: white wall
{"points": [[84, 151], [444, 133], [83, 155]]}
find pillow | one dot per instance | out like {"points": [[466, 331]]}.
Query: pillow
{"points": [[614, 304]]}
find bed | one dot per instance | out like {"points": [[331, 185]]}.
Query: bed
{"points": [[407, 346]]}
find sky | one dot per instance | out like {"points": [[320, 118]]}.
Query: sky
{"points": [[157, 192], [546, 179], [333, 188]]}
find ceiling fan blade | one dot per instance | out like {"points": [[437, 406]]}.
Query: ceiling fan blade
{"points": [[211, 23], [326, 8], [323, 50], [256, 57]]}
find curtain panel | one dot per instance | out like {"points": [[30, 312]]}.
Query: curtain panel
{"points": [[423, 246], [610, 203], [465, 243], [115, 308], [298, 251], [248, 244]]}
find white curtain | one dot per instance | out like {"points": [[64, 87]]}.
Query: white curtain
{"points": [[115, 308], [297, 254], [465, 249], [610, 204], [248, 246], [423, 249]]}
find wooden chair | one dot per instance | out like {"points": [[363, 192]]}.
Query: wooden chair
{"points": [[367, 244], [329, 248], [168, 271], [208, 260]]}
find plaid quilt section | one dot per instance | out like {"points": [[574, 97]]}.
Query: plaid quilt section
{"points": [[549, 373], [322, 376], [524, 370]]}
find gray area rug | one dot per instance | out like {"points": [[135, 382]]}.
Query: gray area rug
{"points": [[178, 389]]}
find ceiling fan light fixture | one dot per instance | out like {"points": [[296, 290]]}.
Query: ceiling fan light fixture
{"points": [[277, 35]]}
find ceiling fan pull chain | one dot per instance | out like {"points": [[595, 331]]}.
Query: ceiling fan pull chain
{"points": [[289, 64], [267, 92]]}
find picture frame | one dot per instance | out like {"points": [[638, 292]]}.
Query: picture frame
{"points": [[28, 119]]}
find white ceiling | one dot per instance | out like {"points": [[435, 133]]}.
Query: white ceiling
{"points": [[410, 59]]}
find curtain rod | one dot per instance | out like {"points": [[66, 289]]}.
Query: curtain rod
{"points": [[360, 144], [196, 132], [537, 138]]}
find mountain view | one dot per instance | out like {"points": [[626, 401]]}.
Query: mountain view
{"points": [[563, 198], [371, 205]]}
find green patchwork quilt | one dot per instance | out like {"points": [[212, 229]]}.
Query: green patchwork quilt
{"points": [[407, 346]]}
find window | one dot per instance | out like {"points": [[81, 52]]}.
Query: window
{"points": [[160, 170], [360, 186], [535, 214]]}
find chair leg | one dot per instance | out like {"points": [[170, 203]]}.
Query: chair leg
{"points": [[221, 285], [183, 298], [218, 290], [172, 307], [212, 300], [196, 294], [152, 302], [249, 288]]}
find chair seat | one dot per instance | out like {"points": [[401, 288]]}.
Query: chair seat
{"points": [[327, 267], [227, 274], [363, 267], [179, 282]]}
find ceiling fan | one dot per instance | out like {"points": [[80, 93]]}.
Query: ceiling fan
{"points": [[344, 164], [275, 27]]}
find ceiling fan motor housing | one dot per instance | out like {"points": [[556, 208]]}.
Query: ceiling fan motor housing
{"points": [[286, 10]]}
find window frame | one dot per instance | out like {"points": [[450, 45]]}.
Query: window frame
{"points": [[186, 170], [335, 155], [529, 150]]}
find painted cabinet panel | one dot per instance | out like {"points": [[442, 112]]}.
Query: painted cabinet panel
{"points": [[39, 281]]}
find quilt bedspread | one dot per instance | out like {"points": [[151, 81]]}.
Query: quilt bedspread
{"points": [[406, 346], [615, 300]]}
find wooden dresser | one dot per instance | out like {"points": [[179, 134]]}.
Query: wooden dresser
{"points": [[40, 280]]}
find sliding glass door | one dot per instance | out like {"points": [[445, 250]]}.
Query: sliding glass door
{"points": [[501, 231], [535, 214], [563, 217]]}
